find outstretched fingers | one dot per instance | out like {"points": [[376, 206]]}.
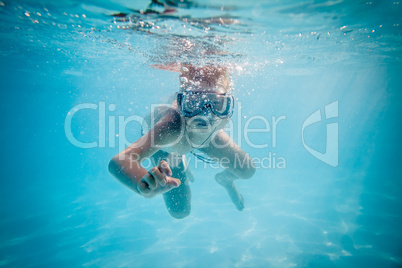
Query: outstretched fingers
{"points": [[170, 182], [165, 168], [157, 180], [159, 174]]}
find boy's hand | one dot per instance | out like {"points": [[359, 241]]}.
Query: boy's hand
{"points": [[157, 181]]}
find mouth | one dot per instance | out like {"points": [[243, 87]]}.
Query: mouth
{"points": [[203, 123]]}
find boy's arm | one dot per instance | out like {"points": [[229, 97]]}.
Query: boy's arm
{"points": [[126, 166], [230, 155]]}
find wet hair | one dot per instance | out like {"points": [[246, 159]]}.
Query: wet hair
{"points": [[203, 78]]}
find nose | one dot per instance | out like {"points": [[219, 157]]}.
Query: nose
{"points": [[206, 111]]}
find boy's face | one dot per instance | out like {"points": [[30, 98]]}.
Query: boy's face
{"points": [[208, 79], [207, 121]]}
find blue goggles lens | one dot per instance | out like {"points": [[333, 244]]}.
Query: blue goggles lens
{"points": [[193, 103]]}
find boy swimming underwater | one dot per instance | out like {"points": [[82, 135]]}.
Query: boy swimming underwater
{"points": [[203, 107]]}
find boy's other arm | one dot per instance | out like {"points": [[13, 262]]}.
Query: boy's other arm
{"points": [[230, 155]]}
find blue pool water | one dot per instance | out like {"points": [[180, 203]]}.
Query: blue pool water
{"points": [[326, 194]]}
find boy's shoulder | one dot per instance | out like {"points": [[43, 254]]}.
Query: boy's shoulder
{"points": [[166, 117], [169, 127], [170, 116]]}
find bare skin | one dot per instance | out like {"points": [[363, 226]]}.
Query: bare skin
{"points": [[179, 134]]}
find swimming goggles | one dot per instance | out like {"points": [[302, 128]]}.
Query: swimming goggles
{"points": [[193, 103]]}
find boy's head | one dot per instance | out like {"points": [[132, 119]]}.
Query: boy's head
{"points": [[204, 97]]}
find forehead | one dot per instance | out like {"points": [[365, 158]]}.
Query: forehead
{"points": [[218, 90]]}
